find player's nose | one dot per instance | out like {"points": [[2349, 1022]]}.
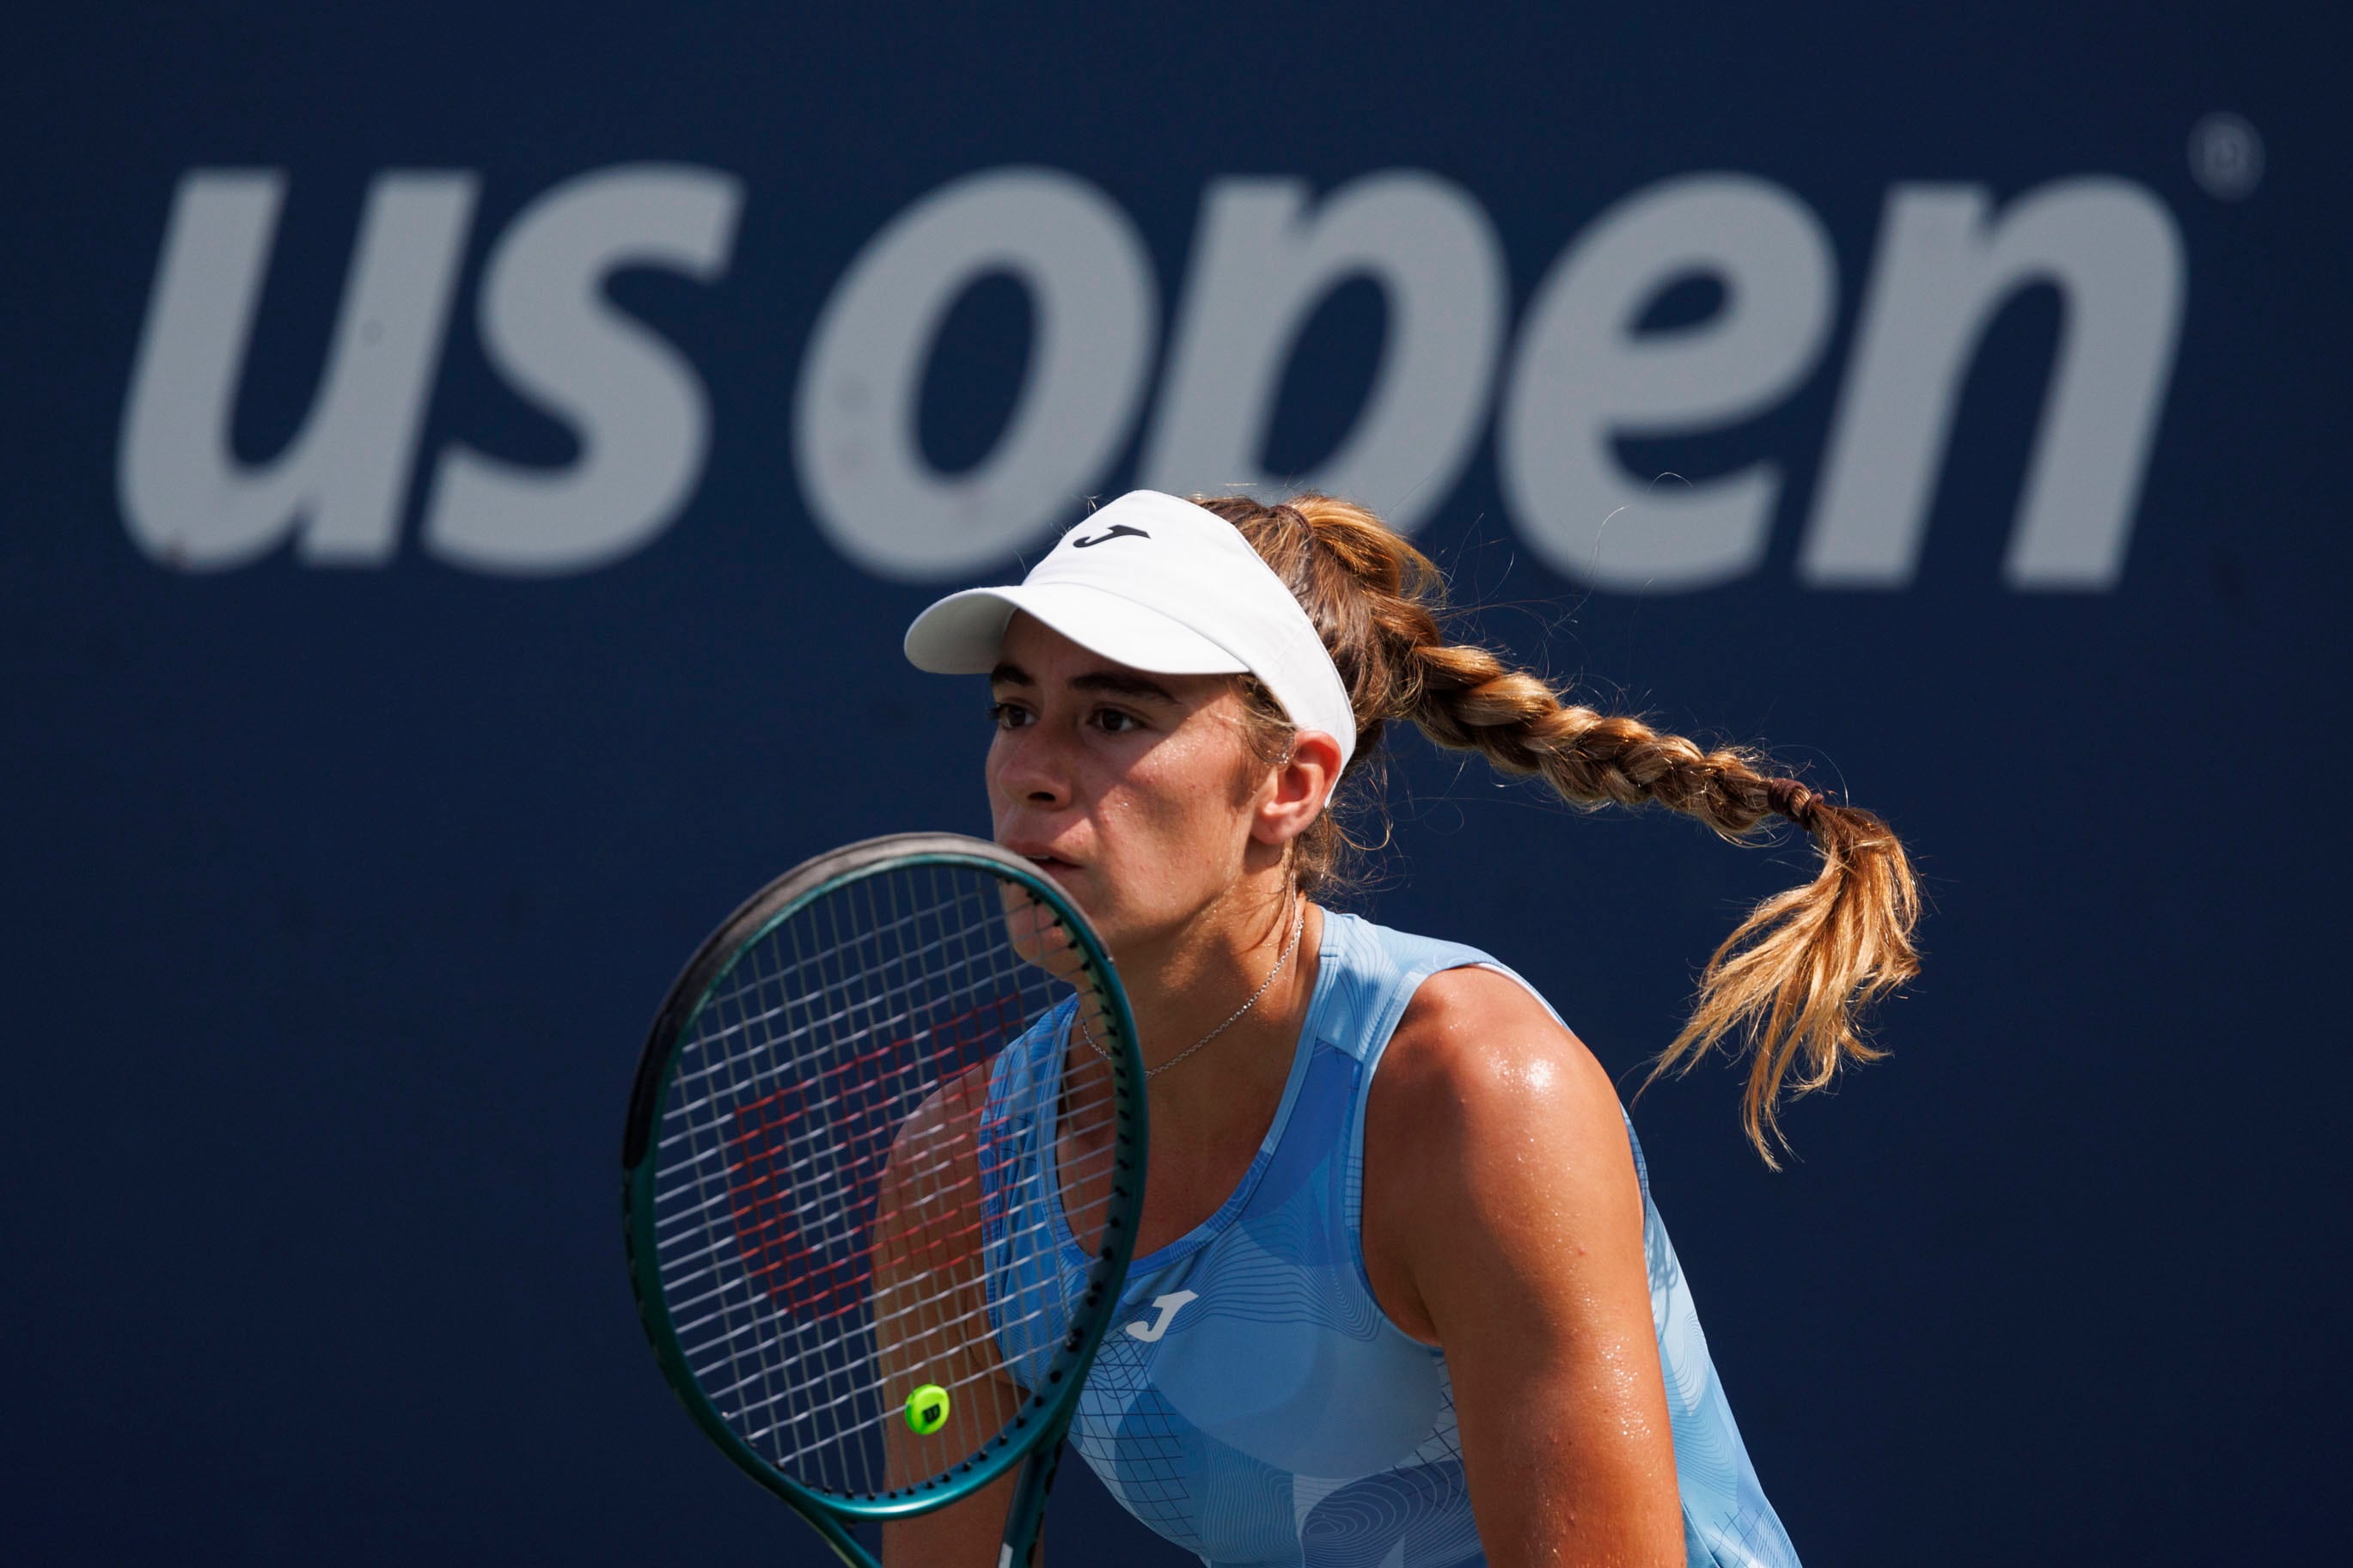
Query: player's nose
{"points": [[1034, 767]]}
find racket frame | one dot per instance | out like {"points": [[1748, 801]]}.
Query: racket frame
{"points": [[1036, 1432]]}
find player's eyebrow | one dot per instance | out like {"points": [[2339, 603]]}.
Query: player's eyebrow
{"points": [[1109, 682], [1123, 683]]}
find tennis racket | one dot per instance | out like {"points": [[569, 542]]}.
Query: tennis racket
{"points": [[880, 1193]]}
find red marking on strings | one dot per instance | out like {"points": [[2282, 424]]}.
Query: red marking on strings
{"points": [[806, 1163]]}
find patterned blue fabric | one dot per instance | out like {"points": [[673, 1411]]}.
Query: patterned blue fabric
{"points": [[1252, 1404]]}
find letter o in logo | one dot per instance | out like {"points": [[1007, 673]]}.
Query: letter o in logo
{"points": [[854, 443]]}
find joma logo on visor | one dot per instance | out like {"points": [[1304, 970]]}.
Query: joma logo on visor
{"points": [[1116, 530]]}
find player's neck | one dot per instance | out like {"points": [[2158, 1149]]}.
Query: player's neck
{"points": [[1188, 978], [1236, 1079]]}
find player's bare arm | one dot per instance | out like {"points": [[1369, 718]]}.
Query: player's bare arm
{"points": [[1503, 1223], [931, 1193]]}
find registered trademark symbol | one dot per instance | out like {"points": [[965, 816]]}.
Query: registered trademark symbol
{"points": [[2226, 157]]}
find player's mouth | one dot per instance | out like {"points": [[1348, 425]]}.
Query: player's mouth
{"points": [[1045, 859]]}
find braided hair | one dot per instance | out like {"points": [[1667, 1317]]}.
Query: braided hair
{"points": [[1786, 986]]}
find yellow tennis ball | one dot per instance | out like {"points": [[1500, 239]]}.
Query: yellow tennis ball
{"points": [[927, 1410]]}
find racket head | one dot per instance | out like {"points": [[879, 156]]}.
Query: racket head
{"points": [[824, 1157]]}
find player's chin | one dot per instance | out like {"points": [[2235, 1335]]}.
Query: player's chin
{"points": [[1087, 887]]}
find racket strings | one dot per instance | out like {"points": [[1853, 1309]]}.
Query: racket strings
{"points": [[697, 1212], [907, 1319], [752, 1021], [848, 1178]]}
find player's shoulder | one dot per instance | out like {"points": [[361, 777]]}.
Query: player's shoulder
{"points": [[1490, 1134], [1476, 1053]]}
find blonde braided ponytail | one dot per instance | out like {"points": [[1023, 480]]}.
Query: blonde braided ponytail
{"points": [[1787, 984]]}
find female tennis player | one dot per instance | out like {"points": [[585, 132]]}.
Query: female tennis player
{"points": [[1400, 1296]]}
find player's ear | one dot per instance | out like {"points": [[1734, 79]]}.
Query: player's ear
{"points": [[1303, 783]]}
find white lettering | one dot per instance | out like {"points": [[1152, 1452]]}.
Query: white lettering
{"points": [[1089, 281], [1584, 373], [185, 499], [1944, 269], [1581, 375], [1261, 264], [641, 413]]}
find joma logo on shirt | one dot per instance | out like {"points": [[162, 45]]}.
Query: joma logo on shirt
{"points": [[1168, 1307]]}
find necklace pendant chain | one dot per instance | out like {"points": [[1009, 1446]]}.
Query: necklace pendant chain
{"points": [[1291, 943]]}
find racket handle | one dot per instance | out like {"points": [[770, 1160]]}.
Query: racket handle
{"points": [[1025, 1518]]}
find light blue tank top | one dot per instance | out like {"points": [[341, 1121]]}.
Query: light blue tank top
{"points": [[1251, 1403]]}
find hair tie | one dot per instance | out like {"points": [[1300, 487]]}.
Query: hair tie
{"points": [[1794, 800]]}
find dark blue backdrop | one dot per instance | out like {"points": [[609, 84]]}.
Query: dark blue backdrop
{"points": [[340, 896]]}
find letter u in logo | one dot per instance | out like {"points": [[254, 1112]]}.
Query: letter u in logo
{"points": [[1167, 1306]]}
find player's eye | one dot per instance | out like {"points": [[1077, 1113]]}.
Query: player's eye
{"points": [[1008, 715], [1114, 722]]}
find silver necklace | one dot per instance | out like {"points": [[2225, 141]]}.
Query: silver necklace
{"points": [[1298, 923]]}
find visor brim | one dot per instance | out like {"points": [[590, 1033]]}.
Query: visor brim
{"points": [[964, 633]]}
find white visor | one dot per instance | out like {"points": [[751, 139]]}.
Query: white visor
{"points": [[1161, 586]]}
